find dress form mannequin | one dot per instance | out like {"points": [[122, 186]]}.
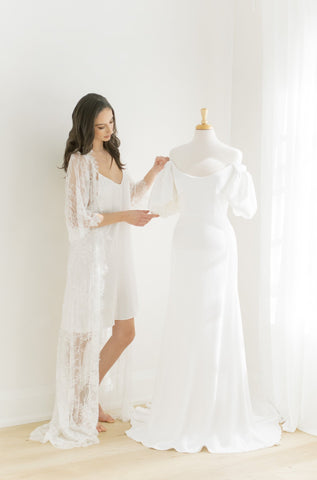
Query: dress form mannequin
{"points": [[205, 154], [201, 394]]}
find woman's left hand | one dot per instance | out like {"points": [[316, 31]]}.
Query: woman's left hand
{"points": [[159, 163]]}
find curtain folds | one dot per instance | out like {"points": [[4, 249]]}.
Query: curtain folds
{"points": [[288, 305]]}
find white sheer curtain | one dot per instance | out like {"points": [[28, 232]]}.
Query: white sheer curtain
{"points": [[288, 309]]}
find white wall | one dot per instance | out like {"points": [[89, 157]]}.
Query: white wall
{"points": [[158, 63]]}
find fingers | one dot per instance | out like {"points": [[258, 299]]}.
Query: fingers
{"points": [[161, 161], [142, 217], [149, 215], [145, 219]]}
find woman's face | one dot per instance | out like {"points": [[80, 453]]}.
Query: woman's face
{"points": [[104, 125]]}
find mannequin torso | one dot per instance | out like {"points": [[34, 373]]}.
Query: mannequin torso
{"points": [[204, 155]]}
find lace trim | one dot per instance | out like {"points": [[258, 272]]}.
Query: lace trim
{"points": [[138, 190]]}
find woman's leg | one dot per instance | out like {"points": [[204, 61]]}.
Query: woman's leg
{"points": [[123, 332]]}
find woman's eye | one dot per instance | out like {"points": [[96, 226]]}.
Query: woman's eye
{"points": [[101, 128]]}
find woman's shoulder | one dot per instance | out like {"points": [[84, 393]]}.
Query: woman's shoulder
{"points": [[80, 159], [78, 155]]}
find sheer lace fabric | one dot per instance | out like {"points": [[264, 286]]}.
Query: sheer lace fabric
{"points": [[138, 190], [83, 331]]}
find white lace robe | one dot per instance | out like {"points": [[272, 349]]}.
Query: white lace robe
{"points": [[81, 335]]}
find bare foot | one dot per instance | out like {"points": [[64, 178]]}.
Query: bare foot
{"points": [[104, 417], [101, 428]]}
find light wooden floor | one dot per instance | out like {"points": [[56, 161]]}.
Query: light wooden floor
{"points": [[119, 458]]}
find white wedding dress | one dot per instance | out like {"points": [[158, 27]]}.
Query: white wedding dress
{"points": [[201, 395]]}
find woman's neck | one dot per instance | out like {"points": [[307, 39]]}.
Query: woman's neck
{"points": [[97, 146]]}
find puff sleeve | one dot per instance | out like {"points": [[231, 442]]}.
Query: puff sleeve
{"points": [[164, 198], [79, 217], [240, 192]]}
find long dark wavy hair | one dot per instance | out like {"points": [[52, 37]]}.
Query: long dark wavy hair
{"points": [[81, 136]]}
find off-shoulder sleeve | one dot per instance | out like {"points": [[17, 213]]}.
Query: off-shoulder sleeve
{"points": [[240, 192], [79, 218], [164, 198]]}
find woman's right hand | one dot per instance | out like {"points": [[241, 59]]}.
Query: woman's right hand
{"points": [[139, 218]]}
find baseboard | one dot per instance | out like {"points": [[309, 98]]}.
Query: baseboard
{"points": [[26, 405], [31, 405]]}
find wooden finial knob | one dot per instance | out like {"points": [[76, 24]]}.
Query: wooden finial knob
{"points": [[204, 125]]}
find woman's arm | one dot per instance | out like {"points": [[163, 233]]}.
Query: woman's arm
{"points": [[159, 164], [139, 218], [140, 188]]}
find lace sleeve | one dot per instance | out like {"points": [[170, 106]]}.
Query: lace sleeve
{"points": [[79, 218], [138, 190], [164, 199]]}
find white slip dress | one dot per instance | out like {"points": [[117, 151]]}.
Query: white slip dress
{"points": [[120, 293]]}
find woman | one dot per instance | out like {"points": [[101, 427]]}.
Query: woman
{"points": [[100, 295]]}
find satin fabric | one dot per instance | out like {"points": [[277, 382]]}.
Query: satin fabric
{"points": [[201, 396]]}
